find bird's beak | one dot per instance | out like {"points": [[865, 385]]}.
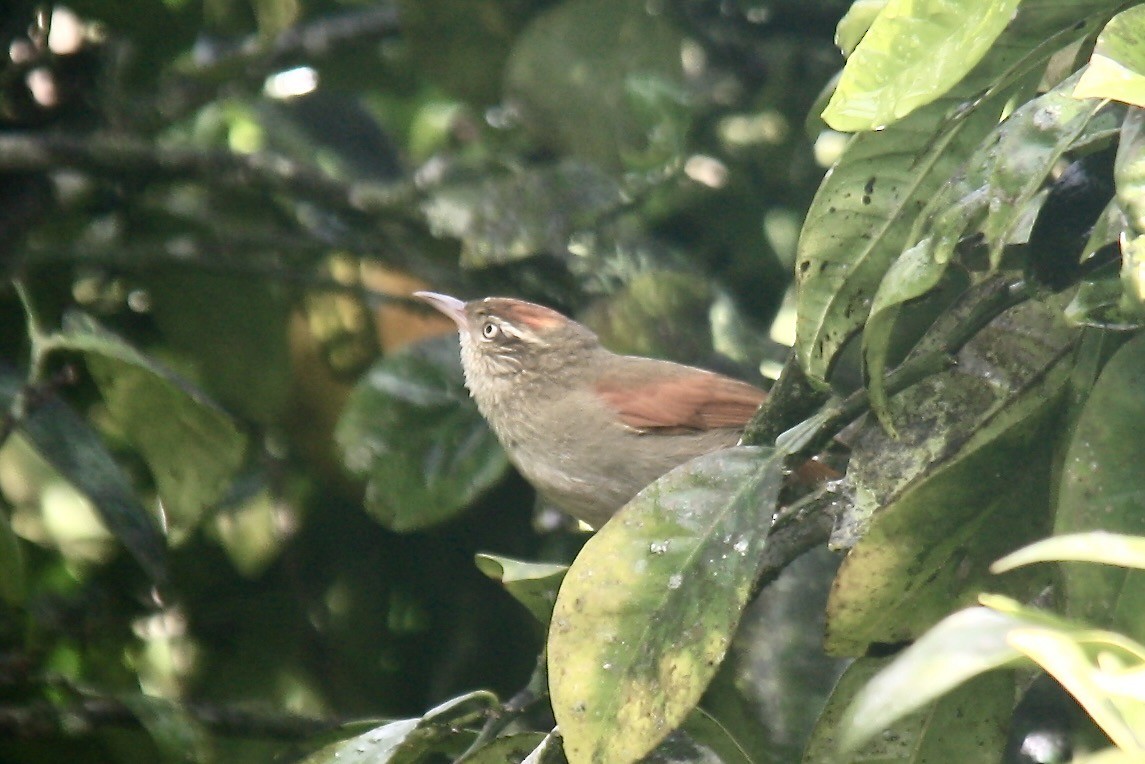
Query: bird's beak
{"points": [[450, 306]]}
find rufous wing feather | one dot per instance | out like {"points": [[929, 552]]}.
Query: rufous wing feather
{"points": [[680, 398]]}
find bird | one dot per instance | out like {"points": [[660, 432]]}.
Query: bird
{"points": [[586, 427]]}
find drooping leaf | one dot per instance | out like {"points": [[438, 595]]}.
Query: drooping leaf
{"points": [[1095, 546], [864, 211], [442, 729], [67, 442], [934, 507], [533, 584], [965, 724], [989, 198], [1101, 489], [1117, 68], [410, 429], [650, 604], [914, 52], [191, 446]]}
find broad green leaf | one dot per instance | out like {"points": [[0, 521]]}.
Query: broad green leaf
{"points": [[1129, 175], [533, 584], [914, 52], [442, 729], [526, 213], [649, 606], [967, 724], [989, 197], [1107, 756], [1095, 546], [965, 481], [855, 23], [959, 648], [191, 446], [13, 582], [1101, 489], [863, 213], [549, 751], [710, 740], [510, 749], [1117, 68], [76, 451], [411, 430], [1061, 655], [1100, 303]]}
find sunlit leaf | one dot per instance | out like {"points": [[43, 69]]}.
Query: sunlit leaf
{"points": [[533, 584], [914, 52], [1101, 489], [1117, 68], [1096, 546], [934, 507], [411, 430], [650, 604], [966, 724], [997, 183], [192, 447], [855, 23]]}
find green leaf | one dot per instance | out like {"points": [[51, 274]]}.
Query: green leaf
{"points": [[1107, 756], [533, 584], [855, 23], [1117, 68], [990, 197], [863, 214], [410, 429], [967, 724], [510, 749], [649, 606], [914, 52], [1096, 546], [1101, 303], [1120, 715], [177, 735], [191, 446], [407, 741], [960, 647], [965, 481], [72, 447], [1101, 489]]}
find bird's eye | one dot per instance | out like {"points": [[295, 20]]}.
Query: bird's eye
{"points": [[490, 330]]}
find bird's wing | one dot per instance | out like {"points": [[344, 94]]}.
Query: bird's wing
{"points": [[669, 397]]}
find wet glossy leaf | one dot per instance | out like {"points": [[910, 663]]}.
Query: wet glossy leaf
{"points": [[75, 450], [1102, 489], [934, 507], [442, 729], [863, 214], [533, 584], [1117, 68], [914, 52], [650, 604], [999, 181], [1096, 546], [529, 212], [411, 430], [967, 724], [192, 447], [855, 23], [1101, 303]]}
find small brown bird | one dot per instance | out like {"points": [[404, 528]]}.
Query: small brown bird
{"points": [[588, 428]]}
